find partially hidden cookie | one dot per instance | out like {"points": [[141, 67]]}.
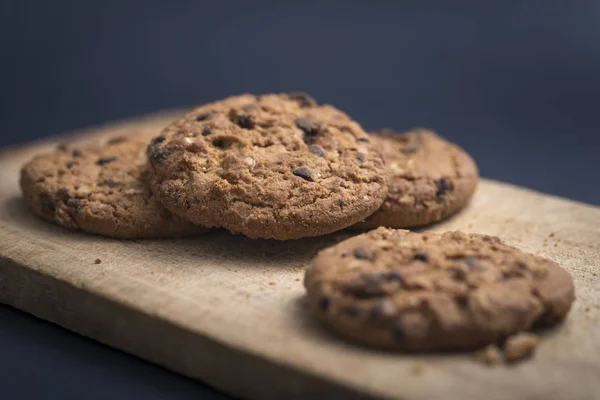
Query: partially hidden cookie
{"points": [[101, 189], [430, 179], [271, 166], [419, 292]]}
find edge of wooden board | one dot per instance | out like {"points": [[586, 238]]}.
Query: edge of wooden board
{"points": [[45, 297]]}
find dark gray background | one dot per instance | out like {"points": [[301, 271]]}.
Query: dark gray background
{"points": [[516, 83]]}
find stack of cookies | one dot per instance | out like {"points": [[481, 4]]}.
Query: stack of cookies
{"points": [[281, 166], [271, 167]]}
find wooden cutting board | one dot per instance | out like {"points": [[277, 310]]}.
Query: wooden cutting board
{"points": [[230, 311]]}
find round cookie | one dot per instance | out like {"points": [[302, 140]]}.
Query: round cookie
{"points": [[418, 292], [101, 189], [430, 179], [271, 166]]}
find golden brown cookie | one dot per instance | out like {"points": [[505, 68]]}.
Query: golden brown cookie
{"points": [[430, 179], [271, 166], [410, 291], [101, 189]]}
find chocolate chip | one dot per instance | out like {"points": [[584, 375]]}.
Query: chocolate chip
{"points": [[70, 165], [341, 203], [157, 140], [108, 182], [303, 99], [115, 140], [203, 116], [304, 173], [76, 153], [207, 131], [47, 203], [244, 121], [310, 126], [367, 291], [412, 148], [360, 254], [324, 303], [106, 160], [422, 256], [360, 156], [459, 275], [223, 143], [392, 276], [351, 311], [473, 264], [443, 186], [522, 266], [156, 155], [74, 203], [398, 330], [462, 301], [97, 261], [316, 149]]}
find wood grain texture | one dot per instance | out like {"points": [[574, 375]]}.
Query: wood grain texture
{"points": [[230, 311]]}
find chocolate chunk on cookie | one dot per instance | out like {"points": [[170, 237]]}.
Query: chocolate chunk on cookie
{"points": [[101, 189], [270, 166], [419, 292], [430, 179]]}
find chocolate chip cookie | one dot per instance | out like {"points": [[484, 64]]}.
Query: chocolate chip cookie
{"points": [[430, 179], [101, 189], [418, 292], [271, 166]]}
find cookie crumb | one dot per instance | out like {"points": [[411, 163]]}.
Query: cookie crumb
{"points": [[97, 261], [297, 279], [489, 355], [552, 234], [520, 346], [272, 283], [418, 369]]}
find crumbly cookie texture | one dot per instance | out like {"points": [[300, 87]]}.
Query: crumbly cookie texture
{"points": [[419, 292], [430, 179], [271, 166], [520, 346], [102, 189]]}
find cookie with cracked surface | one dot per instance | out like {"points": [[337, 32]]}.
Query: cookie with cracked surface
{"points": [[102, 189], [427, 291], [430, 179], [270, 166]]}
